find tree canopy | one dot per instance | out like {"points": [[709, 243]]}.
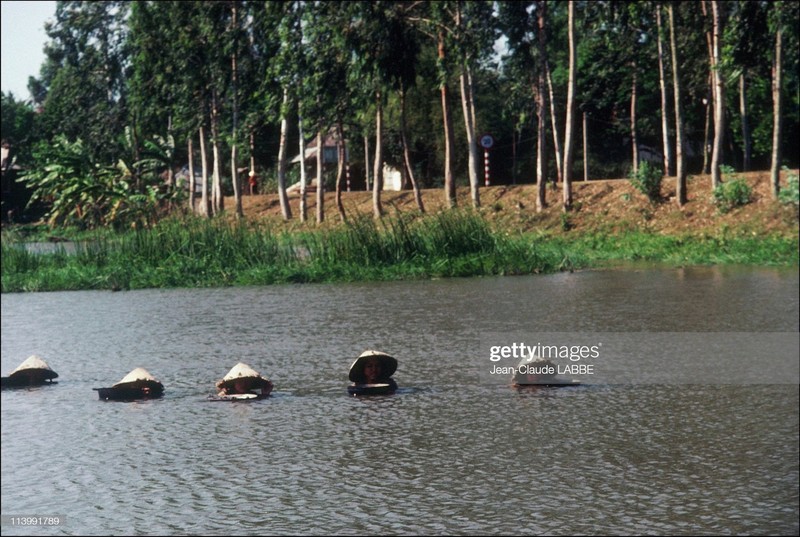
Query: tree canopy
{"points": [[121, 75]]}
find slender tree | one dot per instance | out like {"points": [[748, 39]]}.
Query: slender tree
{"points": [[777, 104], [634, 131], [473, 34], [449, 183], [719, 93], [236, 38], [541, 138], [205, 200], [680, 174], [377, 174], [286, 209], [303, 180], [370, 38], [433, 20], [570, 122], [320, 177], [286, 64], [341, 158], [662, 84], [553, 120], [402, 72]]}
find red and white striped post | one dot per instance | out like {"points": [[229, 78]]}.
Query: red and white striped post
{"points": [[486, 143], [347, 173], [486, 166]]}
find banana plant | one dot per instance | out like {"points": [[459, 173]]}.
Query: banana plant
{"points": [[89, 194]]}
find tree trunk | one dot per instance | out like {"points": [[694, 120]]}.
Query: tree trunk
{"points": [[514, 136], [377, 173], [568, 142], [541, 156], [585, 149], [341, 151], [554, 122], [719, 95], [709, 106], [680, 174], [205, 201], [190, 151], [775, 167], [449, 184], [747, 143], [634, 133], [303, 183], [662, 82], [252, 154], [711, 98], [237, 186], [541, 127], [217, 199], [466, 98], [471, 103], [366, 161], [171, 155], [286, 209], [407, 153], [320, 178]]}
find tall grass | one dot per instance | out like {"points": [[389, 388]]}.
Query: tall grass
{"points": [[195, 252]]}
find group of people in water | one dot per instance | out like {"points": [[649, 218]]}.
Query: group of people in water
{"points": [[370, 374]]}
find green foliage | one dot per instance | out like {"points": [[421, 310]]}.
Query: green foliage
{"points": [[17, 125], [733, 192], [198, 252], [85, 74], [195, 252], [566, 222], [790, 194], [647, 180], [81, 191], [165, 66]]}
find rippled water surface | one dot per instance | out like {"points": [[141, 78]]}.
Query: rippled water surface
{"points": [[447, 454]]}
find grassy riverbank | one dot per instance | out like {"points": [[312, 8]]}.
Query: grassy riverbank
{"points": [[199, 253], [611, 225]]}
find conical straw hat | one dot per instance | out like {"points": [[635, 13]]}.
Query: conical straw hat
{"points": [[388, 366], [36, 362], [138, 374], [242, 371]]}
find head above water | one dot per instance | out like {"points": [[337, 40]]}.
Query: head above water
{"points": [[372, 370], [372, 367], [241, 385]]}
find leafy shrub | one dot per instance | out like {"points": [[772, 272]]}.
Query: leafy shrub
{"points": [[647, 180], [84, 192], [566, 222], [734, 192], [790, 194]]}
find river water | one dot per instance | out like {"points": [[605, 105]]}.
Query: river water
{"points": [[455, 451]]}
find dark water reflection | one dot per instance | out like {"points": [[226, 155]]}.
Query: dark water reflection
{"points": [[445, 455]]}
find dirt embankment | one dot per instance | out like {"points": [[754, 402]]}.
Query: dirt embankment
{"points": [[606, 206]]}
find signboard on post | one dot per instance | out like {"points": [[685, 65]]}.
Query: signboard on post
{"points": [[486, 141]]}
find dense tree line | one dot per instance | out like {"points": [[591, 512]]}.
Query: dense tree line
{"points": [[567, 89]]}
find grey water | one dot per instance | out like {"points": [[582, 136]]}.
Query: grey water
{"points": [[450, 453]]}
